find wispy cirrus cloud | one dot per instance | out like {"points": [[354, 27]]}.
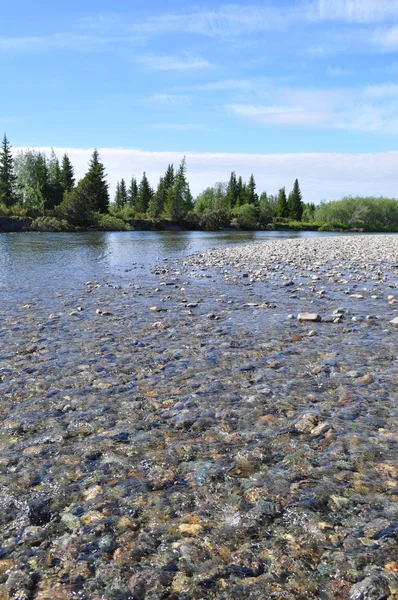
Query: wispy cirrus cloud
{"points": [[61, 41], [163, 62], [353, 11], [370, 109]]}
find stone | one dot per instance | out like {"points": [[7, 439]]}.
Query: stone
{"points": [[373, 587], [306, 423], [312, 317], [394, 321]]}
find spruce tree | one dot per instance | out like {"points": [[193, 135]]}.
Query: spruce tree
{"points": [[179, 197], [281, 210], [239, 192], [67, 174], [158, 201], [123, 193], [96, 186], [132, 192], [7, 176], [145, 193], [117, 196], [169, 177], [251, 191], [295, 203], [55, 187], [232, 191]]}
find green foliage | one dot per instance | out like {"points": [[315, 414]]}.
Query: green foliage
{"points": [[281, 209], [246, 216], [132, 192], [145, 193], [157, 203], [295, 203], [252, 197], [179, 198], [75, 207], [210, 219], [7, 175], [267, 208], [111, 223], [55, 189], [32, 180], [213, 199], [95, 185], [232, 192], [67, 174], [368, 213], [50, 224], [121, 195]]}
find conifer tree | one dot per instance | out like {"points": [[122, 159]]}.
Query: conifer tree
{"points": [[179, 197], [251, 189], [145, 193], [169, 177], [55, 189], [96, 186], [132, 192], [232, 191], [67, 174], [117, 196], [295, 203], [158, 201], [123, 192], [7, 176], [239, 192], [281, 210]]}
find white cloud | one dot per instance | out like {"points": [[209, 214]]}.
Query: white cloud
{"points": [[385, 38], [323, 175], [372, 109], [279, 115], [335, 71], [354, 11], [61, 41], [162, 62]]}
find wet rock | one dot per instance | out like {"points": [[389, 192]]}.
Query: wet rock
{"points": [[311, 317], [306, 423], [373, 587], [40, 511]]}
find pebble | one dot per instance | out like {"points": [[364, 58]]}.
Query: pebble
{"points": [[309, 317]]}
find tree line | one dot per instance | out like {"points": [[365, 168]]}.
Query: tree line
{"points": [[45, 189]]}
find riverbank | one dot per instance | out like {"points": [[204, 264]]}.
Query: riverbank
{"points": [[184, 435], [48, 224]]}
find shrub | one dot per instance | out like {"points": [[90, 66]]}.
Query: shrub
{"points": [[246, 216], [110, 223], [50, 224]]}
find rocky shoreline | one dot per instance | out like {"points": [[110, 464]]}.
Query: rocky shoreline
{"points": [[188, 436]]}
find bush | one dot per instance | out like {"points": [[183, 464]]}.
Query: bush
{"points": [[246, 216], [50, 224], [110, 223]]}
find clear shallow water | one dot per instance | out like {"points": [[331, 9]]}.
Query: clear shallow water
{"points": [[211, 448], [47, 261]]}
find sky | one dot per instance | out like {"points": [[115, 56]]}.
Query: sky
{"points": [[279, 88]]}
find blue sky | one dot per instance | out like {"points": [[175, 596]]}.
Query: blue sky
{"points": [[260, 78]]}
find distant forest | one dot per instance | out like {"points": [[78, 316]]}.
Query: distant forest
{"points": [[44, 190]]}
